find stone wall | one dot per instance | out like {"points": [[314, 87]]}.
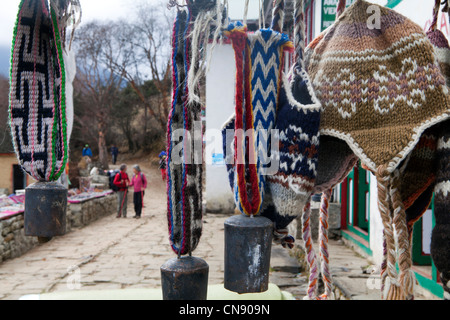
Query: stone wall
{"points": [[14, 243], [82, 214]]}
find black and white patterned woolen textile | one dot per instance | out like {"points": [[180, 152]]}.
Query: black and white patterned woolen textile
{"points": [[37, 96]]}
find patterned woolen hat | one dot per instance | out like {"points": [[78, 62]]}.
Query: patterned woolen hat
{"points": [[419, 174], [381, 88], [440, 238]]}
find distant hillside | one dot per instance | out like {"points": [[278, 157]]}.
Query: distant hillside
{"points": [[5, 53]]}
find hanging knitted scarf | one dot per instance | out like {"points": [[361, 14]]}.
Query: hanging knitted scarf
{"points": [[37, 97], [184, 149], [366, 87], [259, 63]]}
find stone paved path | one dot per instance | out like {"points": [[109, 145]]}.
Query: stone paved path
{"points": [[128, 253]]}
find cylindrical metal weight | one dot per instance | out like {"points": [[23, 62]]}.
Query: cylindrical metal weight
{"points": [[45, 210], [248, 242], [184, 278]]}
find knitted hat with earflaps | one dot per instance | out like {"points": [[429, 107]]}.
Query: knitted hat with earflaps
{"points": [[419, 174], [440, 238], [368, 79], [335, 162], [297, 128]]}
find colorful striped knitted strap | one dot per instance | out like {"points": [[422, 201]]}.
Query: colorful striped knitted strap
{"points": [[238, 35], [184, 183], [37, 111], [258, 77]]}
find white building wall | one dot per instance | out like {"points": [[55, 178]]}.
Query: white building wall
{"points": [[220, 80], [375, 224]]}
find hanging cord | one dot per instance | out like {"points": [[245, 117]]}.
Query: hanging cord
{"points": [[311, 256], [323, 240], [437, 6], [277, 15], [202, 27], [340, 8], [69, 14], [244, 20], [259, 14], [174, 3], [205, 20], [445, 6], [299, 33]]}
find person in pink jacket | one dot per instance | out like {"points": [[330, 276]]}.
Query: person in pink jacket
{"points": [[139, 183]]}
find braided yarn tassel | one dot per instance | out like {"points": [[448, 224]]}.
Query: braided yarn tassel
{"points": [[407, 278], [310, 253], [389, 285], [277, 15], [323, 240]]}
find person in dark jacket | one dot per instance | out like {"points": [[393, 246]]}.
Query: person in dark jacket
{"points": [[114, 153], [121, 181]]}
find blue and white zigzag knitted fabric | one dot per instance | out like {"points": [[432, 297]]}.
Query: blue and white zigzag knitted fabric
{"points": [[266, 61]]}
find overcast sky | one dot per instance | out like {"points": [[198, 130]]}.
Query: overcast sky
{"points": [[102, 10]]}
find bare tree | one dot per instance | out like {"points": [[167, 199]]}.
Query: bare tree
{"points": [[97, 85], [145, 55]]}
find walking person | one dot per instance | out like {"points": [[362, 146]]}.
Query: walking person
{"points": [[121, 181], [114, 153], [139, 183], [162, 164]]}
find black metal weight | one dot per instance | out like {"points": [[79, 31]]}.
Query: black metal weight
{"points": [[45, 210], [248, 242], [185, 278]]}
